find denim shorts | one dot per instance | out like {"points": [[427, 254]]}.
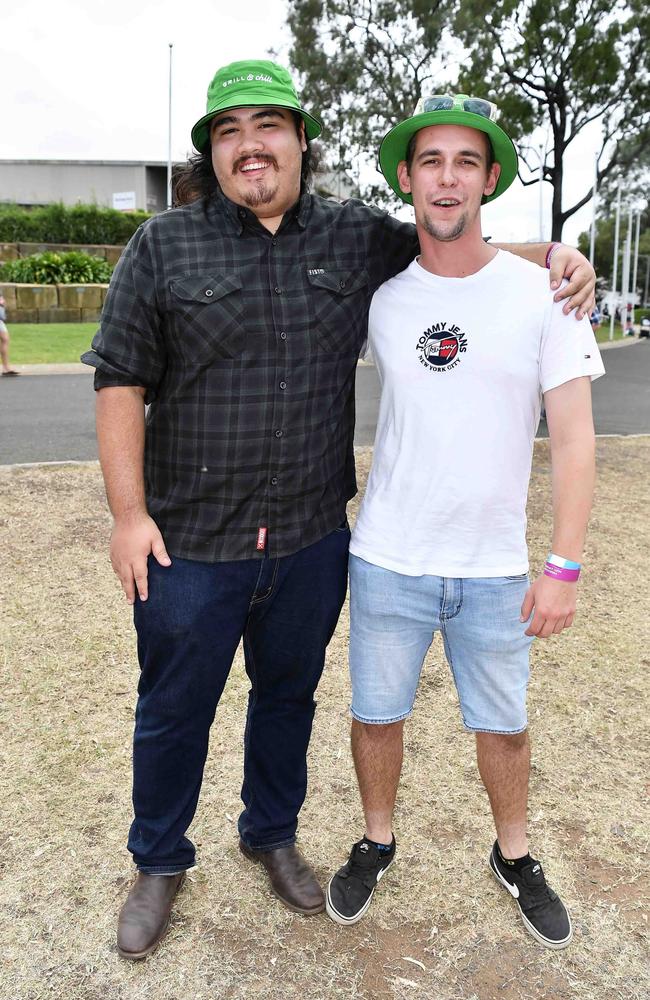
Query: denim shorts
{"points": [[393, 618]]}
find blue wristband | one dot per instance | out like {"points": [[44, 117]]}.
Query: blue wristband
{"points": [[562, 563]]}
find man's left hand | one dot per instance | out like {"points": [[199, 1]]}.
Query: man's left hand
{"points": [[569, 263], [554, 602]]}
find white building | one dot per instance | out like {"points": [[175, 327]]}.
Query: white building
{"points": [[137, 184]]}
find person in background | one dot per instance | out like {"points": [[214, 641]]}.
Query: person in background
{"points": [[7, 370]]}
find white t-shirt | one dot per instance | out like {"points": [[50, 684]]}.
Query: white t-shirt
{"points": [[462, 364]]}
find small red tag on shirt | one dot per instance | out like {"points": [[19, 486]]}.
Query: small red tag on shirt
{"points": [[261, 539]]}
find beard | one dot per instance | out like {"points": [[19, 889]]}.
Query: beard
{"points": [[263, 193], [443, 234]]}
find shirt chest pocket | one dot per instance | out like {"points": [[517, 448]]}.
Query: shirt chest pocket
{"points": [[339, 304], [207, 318]]}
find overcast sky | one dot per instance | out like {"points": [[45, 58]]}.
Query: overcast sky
{"points": [[89, 80]]}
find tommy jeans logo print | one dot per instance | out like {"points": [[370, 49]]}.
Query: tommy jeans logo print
{"points": [[440, 347]]}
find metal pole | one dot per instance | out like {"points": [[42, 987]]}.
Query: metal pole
{"points": [[636, 259], [169, 133], [615, 268], [627, 269], [594, 202], [541, 193]]}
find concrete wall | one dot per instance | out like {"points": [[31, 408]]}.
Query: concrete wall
{"points": [[53, 303], [41, 182]]}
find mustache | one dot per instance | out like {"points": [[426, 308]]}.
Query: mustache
{"points": [[265, 157]]}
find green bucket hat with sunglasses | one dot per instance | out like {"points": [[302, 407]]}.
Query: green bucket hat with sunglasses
{"points": [[449, 109], [250, 83]]}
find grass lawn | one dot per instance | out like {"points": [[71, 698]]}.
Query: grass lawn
{"points": [[602, 335], [49, 343]]}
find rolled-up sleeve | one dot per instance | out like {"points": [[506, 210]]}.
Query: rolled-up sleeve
{"points": [[129, 348]]}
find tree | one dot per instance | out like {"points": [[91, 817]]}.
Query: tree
{"points": [[363, 66], [565, 63]]}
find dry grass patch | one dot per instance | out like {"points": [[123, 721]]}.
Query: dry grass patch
{"points": [[440, 927]]}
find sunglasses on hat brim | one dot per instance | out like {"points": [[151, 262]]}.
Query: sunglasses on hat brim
{"points": [[458, 102]]}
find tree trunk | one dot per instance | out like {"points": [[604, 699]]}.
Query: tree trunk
{"points": [[558, 221]]}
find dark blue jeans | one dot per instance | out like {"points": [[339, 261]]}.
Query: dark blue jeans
{"points": [[286, 609]]}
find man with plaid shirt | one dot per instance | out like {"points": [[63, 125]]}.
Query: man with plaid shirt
{"points": [[238, 318]]}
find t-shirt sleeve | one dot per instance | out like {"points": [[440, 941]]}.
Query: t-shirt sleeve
{"points": [[568, 350], [128, 348]]}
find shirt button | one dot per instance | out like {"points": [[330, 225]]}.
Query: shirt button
{"points": [[342, 284], [242, 213], [283, 385], [278, 291], [274, 243], [278, 434], [274, 481], [209, 292], [283, 336]]}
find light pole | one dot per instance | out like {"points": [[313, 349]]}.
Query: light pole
{"points": [[594, 200], [541, 192], [625, 283], [615, 268], [636, 259], [169, 133], [541, 153]]}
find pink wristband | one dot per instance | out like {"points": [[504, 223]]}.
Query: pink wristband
{"points": [[561, 573], [549, 253]]}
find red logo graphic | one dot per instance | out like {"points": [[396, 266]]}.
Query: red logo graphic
{"points": [[445, 349]]}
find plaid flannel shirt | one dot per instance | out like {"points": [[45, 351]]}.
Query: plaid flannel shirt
{"points": [[247, 344]]}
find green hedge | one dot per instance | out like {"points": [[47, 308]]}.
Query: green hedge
{"points": [[60, 224], [50, 268]]}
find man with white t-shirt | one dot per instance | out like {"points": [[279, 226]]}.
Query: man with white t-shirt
{"points": [[466, 341]]}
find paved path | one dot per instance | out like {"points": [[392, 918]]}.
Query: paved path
{"points": [[50, 417]]}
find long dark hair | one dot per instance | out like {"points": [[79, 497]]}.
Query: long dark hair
{"points": [[196, 179]]}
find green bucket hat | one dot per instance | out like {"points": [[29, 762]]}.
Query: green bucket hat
{"points": [[250, 83], [448, 109]]}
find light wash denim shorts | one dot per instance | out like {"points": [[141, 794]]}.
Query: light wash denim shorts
{"points": [[393, 618]]}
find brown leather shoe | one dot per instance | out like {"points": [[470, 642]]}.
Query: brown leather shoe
{"points": [[292, 879], [145, 915]]}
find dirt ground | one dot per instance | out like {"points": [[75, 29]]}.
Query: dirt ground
{"points": [[440, 928]]}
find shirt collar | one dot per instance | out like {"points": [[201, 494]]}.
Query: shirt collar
{"points": [[239, 214]]}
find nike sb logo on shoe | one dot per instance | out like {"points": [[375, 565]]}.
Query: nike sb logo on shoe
{"points": [[512, 889], [544, 914]]}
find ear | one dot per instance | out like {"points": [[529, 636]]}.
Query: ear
{"points": [[492, 179], [403, 177], [302, 137]]}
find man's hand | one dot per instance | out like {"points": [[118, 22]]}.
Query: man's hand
{"points": [[567, 262], [554, 602], [132, 539]]}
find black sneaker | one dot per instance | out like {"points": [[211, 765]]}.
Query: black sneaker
{"points": [[542, 911], [352, 888]]}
